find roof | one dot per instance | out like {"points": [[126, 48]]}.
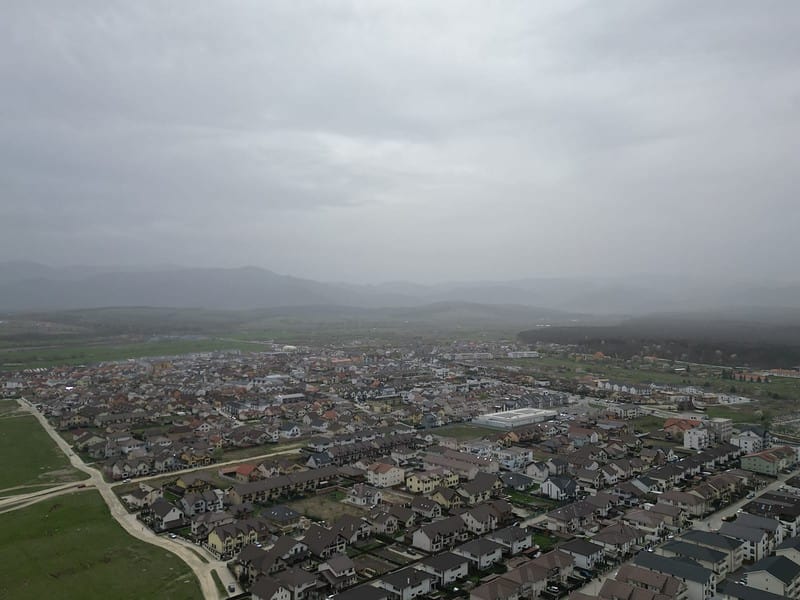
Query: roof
{"points": [[581, 547], [677, 567], [266, 588], [699, 553], [509, 534], [745, 592], [479, 546], [408, 577], [444, 561], [363, 592], [740, 532], [710, 538], [779, 567], [496, 589]]}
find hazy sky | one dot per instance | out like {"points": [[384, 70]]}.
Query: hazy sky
{"points": [[371, 141]]}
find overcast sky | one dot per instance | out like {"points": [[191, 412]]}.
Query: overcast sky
{"points": [[374, 141]]}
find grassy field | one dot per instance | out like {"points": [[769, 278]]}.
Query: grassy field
{"points": [[8, 408], [617, 370], [463, 431], [648, 423], [86, 353], [70, 547], [28, 456], [244, 453], [744, 413], [325, 507]]}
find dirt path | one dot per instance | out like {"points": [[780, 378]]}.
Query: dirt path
{"points": [[126, 520]]}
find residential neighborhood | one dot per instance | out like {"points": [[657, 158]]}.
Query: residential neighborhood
{"points": [[326, 472]]}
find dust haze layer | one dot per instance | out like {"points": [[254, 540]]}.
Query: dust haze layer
{"points": [[26, 286]]}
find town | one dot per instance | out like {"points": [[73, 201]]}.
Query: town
{"points": [[377, 471]]}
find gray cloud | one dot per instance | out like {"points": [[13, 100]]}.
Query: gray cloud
{"points": [[384, 140]]}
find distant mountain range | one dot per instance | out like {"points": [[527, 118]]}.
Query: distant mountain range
{"points": [[28, 286]]}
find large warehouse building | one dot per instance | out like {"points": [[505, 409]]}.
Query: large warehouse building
{"points": [[511, 419]]}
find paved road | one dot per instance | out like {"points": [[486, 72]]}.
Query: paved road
{"points": [[128, 521]]}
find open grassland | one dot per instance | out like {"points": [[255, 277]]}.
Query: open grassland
{"points": [[325, 507], [28, 456], [464, 431], [115, 349], [705, 376], [10, 408], [70, 547]]}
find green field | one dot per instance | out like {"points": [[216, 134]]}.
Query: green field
{"points": [[28, 456], [463, 431], [616, 370], [648, 423], [94, 352], [8, 408], [70, 547]]}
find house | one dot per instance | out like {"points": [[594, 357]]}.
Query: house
{"points": [[165, 515], [440, 535], [406, 518], [756, 541], [447, 567], [769, 462], [576, 517], [447, 497], [790, 549], [693, 504], [207, 501], [709, 558], [538, 471], [297, 581], [749, 442], [650, 523], [731, 547], [559, 488], [289, 430], [586, 554], [362, 494], [352, 528], [560, 565], [479, 519], [772, 527], [514, 540], [619, 540], [143, 497], [339, 572], [384, 475], [513, 458], [363, 592], [529, 579], [700, 582], [652, 582], [482, 553], [228, 540], [282, 518], [480, 489], [324, 543], [697, 438], [426, 508], [775, 574], [500, 588], [407, 583], [516, 481], [268, 588], [382, 521]]}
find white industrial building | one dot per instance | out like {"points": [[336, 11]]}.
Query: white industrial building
{"points": [[511, 419]]}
